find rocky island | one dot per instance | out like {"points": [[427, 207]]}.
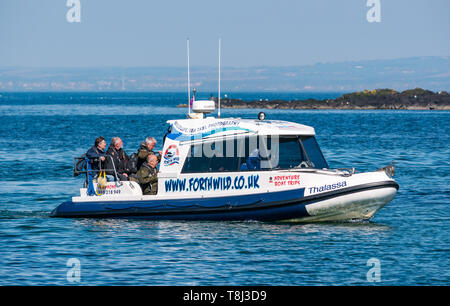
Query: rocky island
{"points": [[413, 99]]}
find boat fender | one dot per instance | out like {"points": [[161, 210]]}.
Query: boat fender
{"points": [[101, 183]]}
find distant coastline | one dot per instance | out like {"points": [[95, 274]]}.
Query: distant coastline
{"points": [[431, 72], [413, 99]]}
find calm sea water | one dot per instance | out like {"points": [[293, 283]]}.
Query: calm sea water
{"points": [[41, 133]]}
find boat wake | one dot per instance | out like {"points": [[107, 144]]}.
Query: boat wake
{"points": [[17, 214]]}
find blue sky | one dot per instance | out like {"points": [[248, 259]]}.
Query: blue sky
{"points": [[254, 32]]}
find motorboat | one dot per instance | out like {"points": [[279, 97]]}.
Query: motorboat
{"points": [[215, 168], [239, 169]]}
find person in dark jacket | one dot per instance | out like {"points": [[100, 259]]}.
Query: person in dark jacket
{"points": [[148, 175], [145, 149], [116, 159], [96, 154]]}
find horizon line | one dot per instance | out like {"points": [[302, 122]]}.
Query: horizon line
{"points": [[446, 57]]}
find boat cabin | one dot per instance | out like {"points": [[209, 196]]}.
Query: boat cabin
{"points": [[213, 145]]}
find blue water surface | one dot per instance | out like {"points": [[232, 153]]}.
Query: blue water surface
{"points": [[40, 133]]}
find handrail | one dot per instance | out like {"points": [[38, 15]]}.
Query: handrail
{"points": [[84, 170]]}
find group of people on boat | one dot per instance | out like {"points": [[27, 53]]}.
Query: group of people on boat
{"points": [[140, 167]]}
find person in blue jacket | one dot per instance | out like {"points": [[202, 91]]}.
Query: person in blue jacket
{"points": [[96, 153], [254, 160]]}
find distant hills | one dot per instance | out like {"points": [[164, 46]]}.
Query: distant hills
{"points": [[432, 73]]}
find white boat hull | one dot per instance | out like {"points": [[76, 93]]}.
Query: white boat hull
{"points": [[355, 206]]}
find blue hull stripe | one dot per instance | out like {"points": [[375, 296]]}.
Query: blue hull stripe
{"points": [[243, 207]]}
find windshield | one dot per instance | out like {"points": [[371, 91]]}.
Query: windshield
{"points": [[314, 153], [300, 152]]}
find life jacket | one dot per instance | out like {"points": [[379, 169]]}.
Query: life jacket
{"points": [[119, 158], [140, 161]]}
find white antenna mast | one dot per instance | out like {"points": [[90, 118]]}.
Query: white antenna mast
{"points": [[218, 102], [189, 79]]}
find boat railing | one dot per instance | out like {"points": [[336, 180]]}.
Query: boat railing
{"points": [[80, 166], [345, 172]]}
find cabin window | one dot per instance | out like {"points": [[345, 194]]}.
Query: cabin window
{"points": [[230, 155], [314, 153], [212, 157], [254, 154], [290, 154]]}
